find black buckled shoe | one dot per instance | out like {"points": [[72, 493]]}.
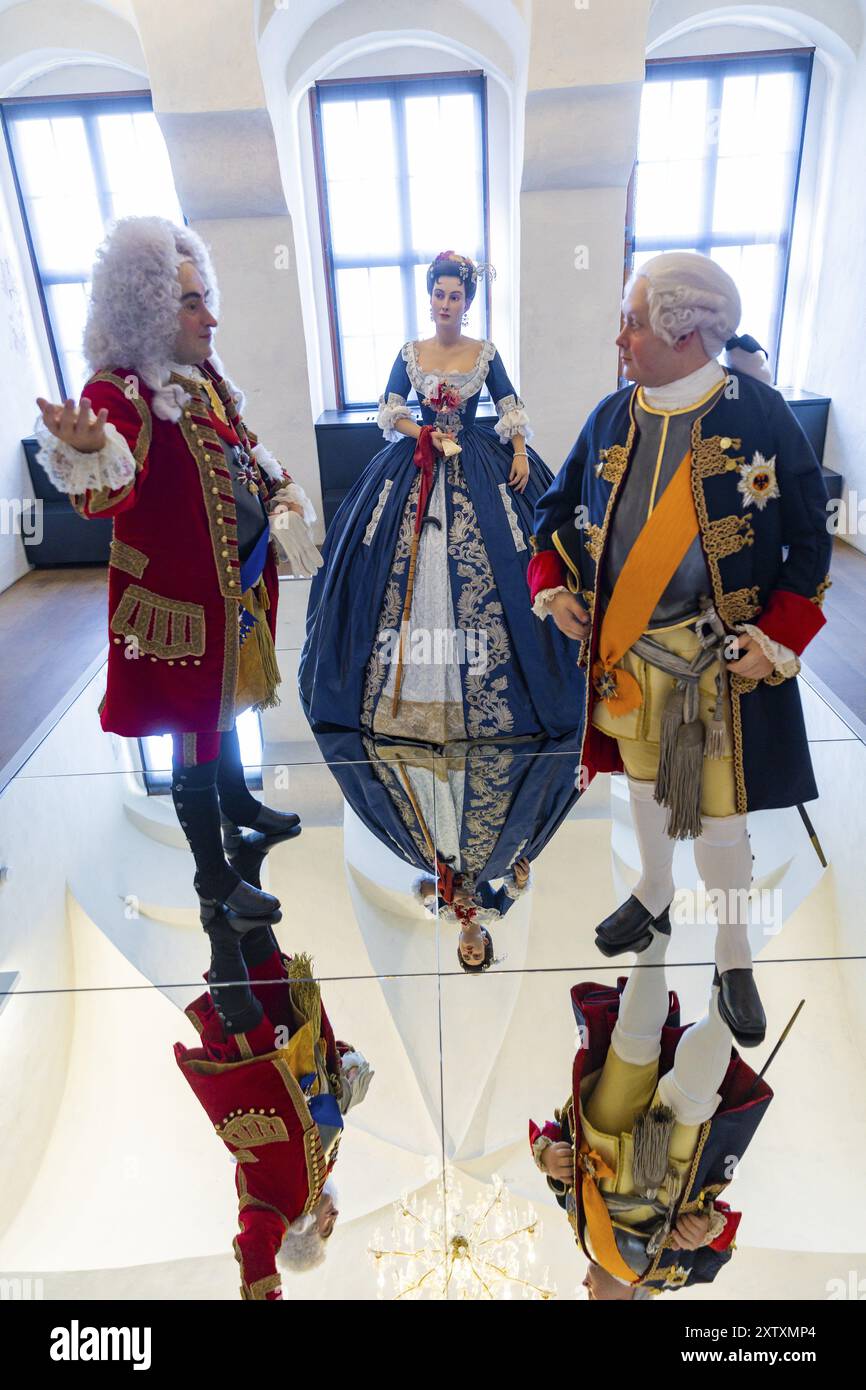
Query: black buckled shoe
{"points": [[244, 908], [271, 828], [630, 928], [740, 1006]]}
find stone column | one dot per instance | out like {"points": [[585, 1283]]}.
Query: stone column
{"points": [[586, 66]]}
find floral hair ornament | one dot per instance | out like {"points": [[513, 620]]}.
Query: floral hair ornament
{"points": [[466, 268]]}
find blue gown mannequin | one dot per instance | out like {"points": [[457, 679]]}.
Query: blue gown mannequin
{"points": [[479, 663]]}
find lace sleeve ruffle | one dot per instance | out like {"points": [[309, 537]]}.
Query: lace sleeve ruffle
{"points": [[784, 660], [293, 492], [511, 889], [513, 419], [390, 411], [73, 472], [541, 606]]}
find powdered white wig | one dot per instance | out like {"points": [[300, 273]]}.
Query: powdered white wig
{"points": [[303, 1248], [135, 299], [685, 292]]}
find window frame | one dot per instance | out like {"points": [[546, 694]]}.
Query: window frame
{"points": [[472, 80], [87, 105], [714, 67]]}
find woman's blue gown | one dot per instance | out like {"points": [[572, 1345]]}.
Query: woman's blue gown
{"points": [[477, 662]]}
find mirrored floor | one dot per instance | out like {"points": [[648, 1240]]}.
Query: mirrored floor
{"points": [[102, 950]]}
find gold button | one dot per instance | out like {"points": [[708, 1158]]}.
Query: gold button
{"points": [[171, 663], [224, 553], [187, 414], [153, 658], [232, 584], [219, 505], [207, 458], [194, 426], [183, 663], [196, 663], [215, 489], [211, 472], [116, 641], [726, 442]]}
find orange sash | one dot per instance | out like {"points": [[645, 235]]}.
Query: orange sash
{"points": [[649, 567], [592, 1167]]}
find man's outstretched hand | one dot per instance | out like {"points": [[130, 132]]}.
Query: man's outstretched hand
{"points": [[75, 425]]}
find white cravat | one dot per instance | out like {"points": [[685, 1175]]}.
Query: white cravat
{"points": [[679, 395]]}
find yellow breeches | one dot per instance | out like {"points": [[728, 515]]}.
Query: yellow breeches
{"points": [[638, 732]]}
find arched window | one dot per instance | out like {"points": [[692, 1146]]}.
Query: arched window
{"points": [[401, 171], [718, 164], [79, 164]]}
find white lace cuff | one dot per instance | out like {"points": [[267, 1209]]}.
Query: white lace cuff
{"points": [[542, 1142], [427, 900], [513, 419], [784, 661], [71, 471], [270, 466], [390, 411], [513, 891], [718, 1222], [541, 606], [293, 492]]}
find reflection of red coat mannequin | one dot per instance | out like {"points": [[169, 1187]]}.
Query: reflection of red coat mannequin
{"points": [[258, 1109]]}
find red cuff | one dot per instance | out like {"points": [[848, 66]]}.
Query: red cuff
{"points": [[734, 1218], [270, 969], [260, 1039], [791, 619], [546, 571], [551, 1131]]}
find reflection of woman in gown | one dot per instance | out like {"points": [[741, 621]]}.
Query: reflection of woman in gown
{"points": [[468, 816], [418, 624]]}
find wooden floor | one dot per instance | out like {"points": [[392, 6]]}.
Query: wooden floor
{"points": [[53, 625], [838, 654]]}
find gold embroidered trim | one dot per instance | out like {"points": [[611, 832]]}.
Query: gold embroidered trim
{"points": [[163, 627], [617, 454], [195, 1021], [728, 536], [593, 542], [821, 590], [262, 1287], [231, 661], [314, 1156], [205, 446], [739, 606], [190, 749], [253, 1130], [127, 558], [714, 452], [612, 462], [243, 1046], [710, 459], [103, 499]]}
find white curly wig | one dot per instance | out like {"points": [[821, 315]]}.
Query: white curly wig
{"points": [[302, 1247], [686, 291], [135, 299]]}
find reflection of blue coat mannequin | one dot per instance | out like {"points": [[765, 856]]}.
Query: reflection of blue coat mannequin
{"points": [[529, 683]]}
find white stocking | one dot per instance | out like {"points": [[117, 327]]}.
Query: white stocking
{"points": [[655, 887], [691, 1087], [724, 860], [643, 1007]]}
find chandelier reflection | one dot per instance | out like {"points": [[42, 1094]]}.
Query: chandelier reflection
{"points": [[448, 1248]]}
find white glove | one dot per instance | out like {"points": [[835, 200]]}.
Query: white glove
{"points": [[293, 541], [355, 1078]]}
